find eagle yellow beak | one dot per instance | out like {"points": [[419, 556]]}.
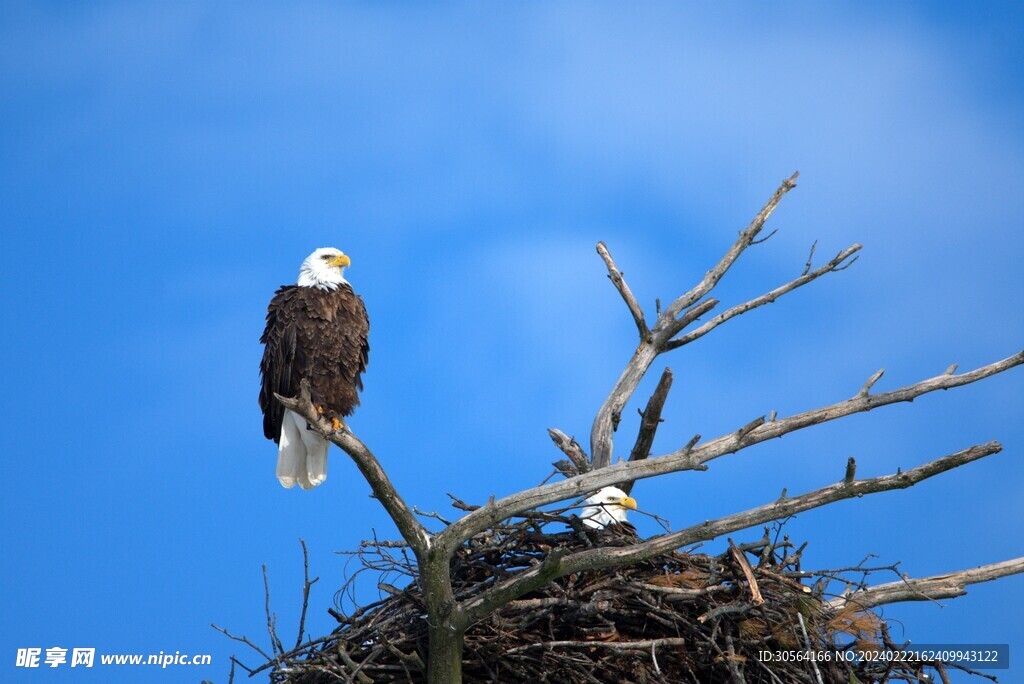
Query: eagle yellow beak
{"points": [[628, 502], [340, 260]]}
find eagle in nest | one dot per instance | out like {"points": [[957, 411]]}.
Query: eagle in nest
{"points": [[317, 330], [607, 510]]}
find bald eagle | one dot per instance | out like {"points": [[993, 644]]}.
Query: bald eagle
{"points": [[317, 330], [606, 508]]}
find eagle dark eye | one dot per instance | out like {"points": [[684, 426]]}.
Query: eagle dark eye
{"points": [[326, 257]]}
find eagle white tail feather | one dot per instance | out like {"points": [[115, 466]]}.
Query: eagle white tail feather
{"points": [[291, 452], [315, 466], [301, 454]]}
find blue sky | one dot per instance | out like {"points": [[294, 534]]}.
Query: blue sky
{"points": [[164, 167]]}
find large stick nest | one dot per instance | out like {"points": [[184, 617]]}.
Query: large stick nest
{"points": [[681, 617]]}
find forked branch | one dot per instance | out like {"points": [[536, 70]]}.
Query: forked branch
{"points": [[745, 239], [611, 556], [838, 263], [684, 311], [571, 448], [694, 457]]}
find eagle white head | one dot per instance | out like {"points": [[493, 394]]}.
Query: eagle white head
{"points": [[608, 506], [324, 269]]}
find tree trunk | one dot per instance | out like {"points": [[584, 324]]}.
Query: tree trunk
{"points": [[446, 624], [444, 660]]}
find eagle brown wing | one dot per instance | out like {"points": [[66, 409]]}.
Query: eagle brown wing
{"points": [[322, 335]]}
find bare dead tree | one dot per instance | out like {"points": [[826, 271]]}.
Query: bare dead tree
{"points": [[675, 326]]}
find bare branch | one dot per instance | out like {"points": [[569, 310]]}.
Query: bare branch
{"points": [[692, 443], [765, 238], [612, 557], [695, 457], [275, 643], [866, 389], [305, 592], [747, 236], [649, 421], [949, 585], [810, 259], [749, 427], [669, 324], [672, 327], [571, 448], [851, 469], [611, 645], [431, 514], [460, 504], [858, 404], [245, 640], [832, 266], [360, 676], [384, 491], [627, 296], [748, 572], [807, 645], [607, 416], [607, 419]]}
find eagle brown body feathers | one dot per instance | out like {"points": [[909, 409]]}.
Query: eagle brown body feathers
{"points": [[318, 334]]}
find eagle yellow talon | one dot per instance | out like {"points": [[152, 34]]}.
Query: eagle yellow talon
{"points": [[319, 410], [337, 425]]}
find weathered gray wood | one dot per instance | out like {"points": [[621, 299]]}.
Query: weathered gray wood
{"points": [[615, 275], [745, 239], [650, 419], [837, 264], [683, 311], [607, 420], [949, 585], [411, 529], [695, 457], [610, 557], [571, 448]]}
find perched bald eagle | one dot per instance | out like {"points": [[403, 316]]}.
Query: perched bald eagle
{"points": [[606, 508], [317, 330]]}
